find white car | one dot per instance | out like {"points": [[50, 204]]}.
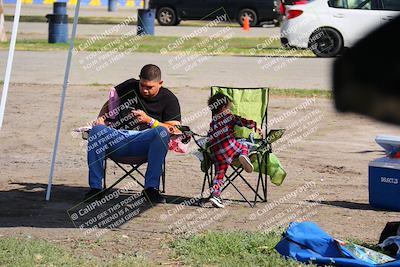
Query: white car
{"points": [[328, 26]]}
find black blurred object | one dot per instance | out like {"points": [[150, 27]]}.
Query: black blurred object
{"points": [[186, 138], [186, 133], [183, 128], [366, 79], [391, 229]]}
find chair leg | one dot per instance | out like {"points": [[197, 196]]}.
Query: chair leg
{"points": [[229, 179], [163, 178], [257, 187], [206, 179], [115, 183], [246, 182], [237, 189], [259, 181], [265, 188], [129, 173], [237, 173], [262, 186], [211, 177], [204, 184], [105, 174], [266, 180]]}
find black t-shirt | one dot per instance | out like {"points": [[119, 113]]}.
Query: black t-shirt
{"points": [[163, 107]]}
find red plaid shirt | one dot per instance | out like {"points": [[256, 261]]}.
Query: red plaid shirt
{"points": [[221, 137]]}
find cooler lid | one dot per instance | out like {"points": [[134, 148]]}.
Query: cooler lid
{"points": [[388, 142], [386, 162]]}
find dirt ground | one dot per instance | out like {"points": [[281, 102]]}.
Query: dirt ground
{"points": [[325, 154]]}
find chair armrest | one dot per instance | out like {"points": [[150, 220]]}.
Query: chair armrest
{"points": [[84, 131], [274, 135]]}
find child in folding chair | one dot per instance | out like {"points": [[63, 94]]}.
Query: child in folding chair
{"points": [[223, 145]]}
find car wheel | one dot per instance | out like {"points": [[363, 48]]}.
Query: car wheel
{"points": [[249, 13], [166, 16], [326, 42]]}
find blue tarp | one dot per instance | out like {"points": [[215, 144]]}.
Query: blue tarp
{"points": [[307, 242]]}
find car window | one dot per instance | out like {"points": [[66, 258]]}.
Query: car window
{"points": [[353, 4], [338, 3], [391, 5], [359, 4]]}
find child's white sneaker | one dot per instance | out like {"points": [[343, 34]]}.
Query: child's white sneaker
{"points": [[217, 202], [246, 163]]}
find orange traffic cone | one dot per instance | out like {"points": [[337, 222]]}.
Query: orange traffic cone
{"points": [[246, 23]]}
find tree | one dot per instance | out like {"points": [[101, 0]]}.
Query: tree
{"points": [[3, 36]]}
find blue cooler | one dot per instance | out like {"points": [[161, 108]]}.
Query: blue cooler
{"points": [[384, 176]]}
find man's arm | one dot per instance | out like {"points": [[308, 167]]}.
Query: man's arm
{"points": [[141, 116], [170, 125], [172, 115]]}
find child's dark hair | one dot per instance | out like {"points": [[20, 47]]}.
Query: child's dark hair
{"points": [[217, 102]]}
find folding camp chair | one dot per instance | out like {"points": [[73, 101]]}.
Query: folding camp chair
{"points": [[251, 103], [134, 164]]}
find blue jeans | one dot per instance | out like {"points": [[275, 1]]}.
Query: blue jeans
{"points": [[150, 143]]}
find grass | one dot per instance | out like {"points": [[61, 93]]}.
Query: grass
{"points": [[289, 92], [154, 44], [107, 20], [82, 20], [25, 252], [227, 248], [231, 249], [296, 92], [96, 84], [282, 92]]}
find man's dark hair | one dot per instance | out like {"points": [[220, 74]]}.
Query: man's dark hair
{"points": [[150, 72], [217, 102]]}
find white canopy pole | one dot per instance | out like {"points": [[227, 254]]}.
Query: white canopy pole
{"points": [[10, 61], [64, 90]]}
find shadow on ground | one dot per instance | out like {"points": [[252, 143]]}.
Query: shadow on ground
{"points": [[380, 152], [25, 206], [348, 205]]}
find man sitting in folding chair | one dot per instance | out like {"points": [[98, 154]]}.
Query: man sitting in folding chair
{"points": [[139, 126]]}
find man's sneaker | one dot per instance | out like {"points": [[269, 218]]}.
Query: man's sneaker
{"points": [[93, 194], [153, 195], [246, 163], [217, 202]]}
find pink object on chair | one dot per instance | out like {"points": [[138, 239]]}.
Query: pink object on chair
{"points": [[175, 144], [113, 102]]}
